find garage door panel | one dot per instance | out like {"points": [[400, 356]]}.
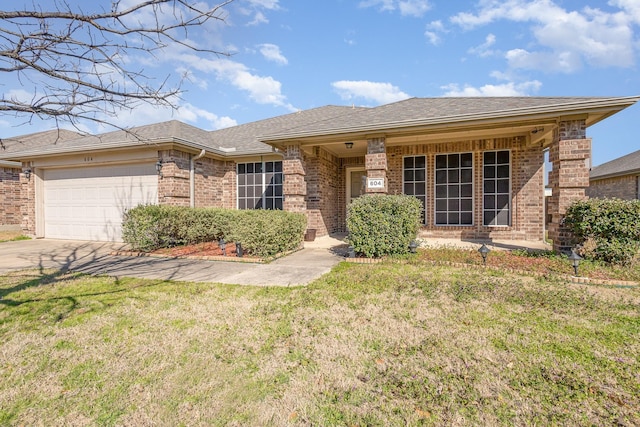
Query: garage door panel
{"points": [[88, 203]]}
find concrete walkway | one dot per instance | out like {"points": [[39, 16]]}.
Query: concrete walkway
{"points": [[299, 268]]}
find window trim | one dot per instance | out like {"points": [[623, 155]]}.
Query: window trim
{"points": [[473, 189], [510, 189], [426, 195], [265, 185]]}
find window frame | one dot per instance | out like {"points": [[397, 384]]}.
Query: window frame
{"points": [[265, 186], [459, 198], [510, 193], [424, 204]]}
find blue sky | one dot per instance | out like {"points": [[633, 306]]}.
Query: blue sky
{"points": [[289, 55]]}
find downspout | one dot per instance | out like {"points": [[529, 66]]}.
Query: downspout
{"points": [[192, 178]]}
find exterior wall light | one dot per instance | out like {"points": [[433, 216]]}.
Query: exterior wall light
{"points": [[575, 261], [413, 246], [349, 145], [27, 174], [484, 251], [223, 246], [159, 168]]}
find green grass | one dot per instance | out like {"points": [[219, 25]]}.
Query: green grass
{"points": [[391, 344]]}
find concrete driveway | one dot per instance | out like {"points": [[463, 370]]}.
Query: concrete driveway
{"points": [[297, 269]]}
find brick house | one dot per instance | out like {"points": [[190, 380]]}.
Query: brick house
{"points": [[618, 178], [475, 163]]}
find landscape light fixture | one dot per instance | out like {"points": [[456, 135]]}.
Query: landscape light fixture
{"points": [[239, 251], [349, 145], [351, 252], [223, 246], [159, 168], [575, 261], [27, 174], [413, 246], [484, 251]]}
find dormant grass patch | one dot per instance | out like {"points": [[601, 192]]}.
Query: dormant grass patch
{"points": [[393, 343]]}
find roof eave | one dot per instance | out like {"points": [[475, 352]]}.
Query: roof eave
{"points": [[608, 106]]}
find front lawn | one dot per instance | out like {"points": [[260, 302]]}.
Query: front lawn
{"points": [[390, 344]]}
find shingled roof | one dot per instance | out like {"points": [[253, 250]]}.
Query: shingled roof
{"points": [[625, 165]]}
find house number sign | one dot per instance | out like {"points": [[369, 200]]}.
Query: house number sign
{"points": [[375, 182]]}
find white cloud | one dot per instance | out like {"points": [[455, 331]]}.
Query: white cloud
{"points": [[566, 39], [381, 93], [272, 53], [506, 89], [258, 19], [484, 50], [255, 8], [433, 31], [415, 8]]}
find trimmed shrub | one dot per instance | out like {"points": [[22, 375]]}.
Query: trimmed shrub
{"points": [[383, 224], [607, 229], [262, 232]]}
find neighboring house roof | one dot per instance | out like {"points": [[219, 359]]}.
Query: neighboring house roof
{"points": [[252, 138], [625, 165]]}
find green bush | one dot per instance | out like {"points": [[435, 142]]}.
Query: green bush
{"points": [[382, 224], [606, 228], [262, 233]]}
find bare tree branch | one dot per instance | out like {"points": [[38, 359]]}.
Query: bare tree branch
{"points": [[76, 66]]}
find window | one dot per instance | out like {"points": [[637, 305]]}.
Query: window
{"points": [[496, 185], [414, 179], [260, 185], [454, 189]]}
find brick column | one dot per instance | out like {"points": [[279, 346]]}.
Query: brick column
{"points": [[570, 155], [375, 163], [173, 184], [28, 205], [294, 186]]}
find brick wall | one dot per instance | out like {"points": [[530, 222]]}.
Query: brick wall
{"points": [[622, 187], [215, 183], [527, 201], [10, 199], [173, 185], [28, 202], [324, 185]]}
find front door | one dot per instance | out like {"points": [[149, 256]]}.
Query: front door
{"points": [[356, 179]]}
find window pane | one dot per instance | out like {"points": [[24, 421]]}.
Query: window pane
{"points": [[454, 191], [503, 171], [503, 217], [466, 218], [241, 179], [454, 218], [277, 191], [242, 168], [466, 175], [490, 158], [489, 202], [489, 216], [503, 186], [466, 190], [269, 166], [268, 203], [420, 175], [489, 172], [242, 204], [408, 162], [441, 218], [466, 205], [441, 205], [258, 168], [489, 186], [278, 166], [502, 202], [408, 176], [503, 157], [420, 162], [408, 189], [242, 191], [454, 204], [441, 161], [441, 177], [420, 188], [453, 161], [269, 192], [250, 167], [278, 204], [258, 203], [452, 176], [466, 160], [277, 178], [441, 191]]}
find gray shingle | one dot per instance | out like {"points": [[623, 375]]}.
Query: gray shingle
{"points": [[621, 166]]}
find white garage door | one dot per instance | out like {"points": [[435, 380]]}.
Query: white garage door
{"points": [[88, 203]]}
